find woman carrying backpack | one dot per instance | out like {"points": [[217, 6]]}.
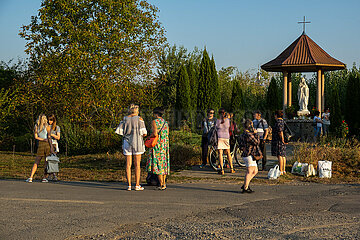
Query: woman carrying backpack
{"points": [[249, 142], [223, 131]]}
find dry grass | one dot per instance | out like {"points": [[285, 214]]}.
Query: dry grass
{"points": [[345, 157]]}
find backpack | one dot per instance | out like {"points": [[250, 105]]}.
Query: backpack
{"points": [[213, 136]]}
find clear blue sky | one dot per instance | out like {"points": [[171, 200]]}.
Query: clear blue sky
{"points": [[238, 33]]}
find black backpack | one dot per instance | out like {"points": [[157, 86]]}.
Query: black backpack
{"points": [[213, 136]]}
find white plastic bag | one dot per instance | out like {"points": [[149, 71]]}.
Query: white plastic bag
{"points": [[299, 168], [310, 171], [274, 173], [324, 168]]}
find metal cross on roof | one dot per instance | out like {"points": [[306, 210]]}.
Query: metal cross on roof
{"points": [[304, 22]]}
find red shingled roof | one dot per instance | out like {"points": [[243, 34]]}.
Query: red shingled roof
{"points": [[303, 55]]}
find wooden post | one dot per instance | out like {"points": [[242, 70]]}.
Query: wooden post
{"points": [[289, 90], [318, 91], [285, 91], [322, 91]]}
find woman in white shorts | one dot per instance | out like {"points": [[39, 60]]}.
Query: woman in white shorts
{"points": [[223, 130], [249, 141], [133, 130]]}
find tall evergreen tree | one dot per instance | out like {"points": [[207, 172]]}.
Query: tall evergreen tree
{"points": [[183, 101], [204, 87], [215, 86], [336, 117], [237, 97], [273, 96], [352, 101], [193, 82]]}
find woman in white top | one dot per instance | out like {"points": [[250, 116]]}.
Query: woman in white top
{"points": [[326, 121], [318, 124], [133, 130]]}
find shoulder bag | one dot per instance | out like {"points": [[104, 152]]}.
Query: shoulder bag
{"points": [[152, 141], [288, 134]]}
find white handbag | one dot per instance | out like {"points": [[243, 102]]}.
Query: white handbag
{"points": [[324, 168], [274, 173]]}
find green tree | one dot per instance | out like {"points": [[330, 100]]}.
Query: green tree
{"points": [[87, 55], [336, 115], [273, 96], [215, 100], [193, 82], [204, 89], [352, 101], [237, 97], [225, 82], [183, 100]]}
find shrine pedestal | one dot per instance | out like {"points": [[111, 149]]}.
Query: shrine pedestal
{"points": [[302, 128]]}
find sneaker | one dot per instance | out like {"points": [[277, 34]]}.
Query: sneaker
{"points": [[29, 180], [44, 180], [139, 188], [129, 188]]}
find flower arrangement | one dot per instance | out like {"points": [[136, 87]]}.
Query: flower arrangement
{"points": [[343, 129]]}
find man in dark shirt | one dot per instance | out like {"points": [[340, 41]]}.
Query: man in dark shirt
{"points": [[207, 124], [261, 127]]}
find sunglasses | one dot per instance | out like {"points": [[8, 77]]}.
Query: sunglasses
{"points": [[211, 113]]}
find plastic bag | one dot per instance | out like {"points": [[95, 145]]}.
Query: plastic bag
{"points": [[324, 168], [299, 168], [274, 173], [310, 171]]}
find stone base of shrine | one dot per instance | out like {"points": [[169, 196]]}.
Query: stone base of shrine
{"points": [[302, 128]]}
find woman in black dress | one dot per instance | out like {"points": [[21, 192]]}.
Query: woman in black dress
{"points": [[278, 145]]}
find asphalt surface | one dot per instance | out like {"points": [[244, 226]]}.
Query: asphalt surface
{"points": [[91, 210]]}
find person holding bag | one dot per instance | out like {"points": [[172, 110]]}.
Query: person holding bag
{"points": [[278, 144], [159, 156], [42, 133], [132, 128], [249, 142]]}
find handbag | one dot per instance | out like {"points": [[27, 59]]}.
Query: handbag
{"points": [[259, 156], [288, 134], [152, 141], [52, 164]]}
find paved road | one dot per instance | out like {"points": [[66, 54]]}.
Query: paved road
{"points": [[90, 210]]}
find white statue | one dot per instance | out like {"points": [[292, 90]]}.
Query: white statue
{"points": [[303, 96]]}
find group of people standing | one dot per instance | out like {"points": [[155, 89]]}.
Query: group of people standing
{"points": [[321, 123], [133, 130], [47, 134], [252, 141]]}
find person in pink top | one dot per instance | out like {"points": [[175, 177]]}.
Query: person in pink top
{"points": [[223, 130]]}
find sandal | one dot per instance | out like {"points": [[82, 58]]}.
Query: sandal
{"points": [[232, 170], [129, 188], [29, 180], [139, 188], [221, 172]]}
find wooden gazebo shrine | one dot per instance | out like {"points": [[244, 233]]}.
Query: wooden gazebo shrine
{"points": [[303, 55]]}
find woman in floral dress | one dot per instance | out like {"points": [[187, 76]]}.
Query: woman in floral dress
{"points": [[159, 159], [278, 145]]}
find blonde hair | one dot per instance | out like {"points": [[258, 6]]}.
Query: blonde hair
{"points": [[41, 122], [133, 108]]}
